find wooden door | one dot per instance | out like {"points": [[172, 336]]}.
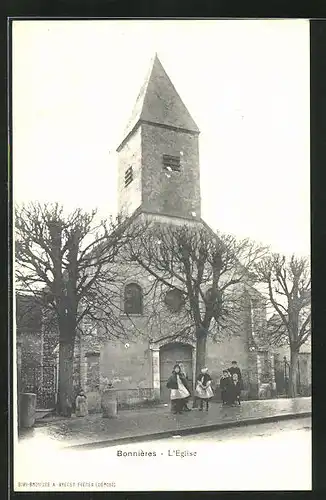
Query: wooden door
{"points": [[170, 355]]}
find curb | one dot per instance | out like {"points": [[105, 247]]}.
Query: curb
{"points": [[186, 431]]}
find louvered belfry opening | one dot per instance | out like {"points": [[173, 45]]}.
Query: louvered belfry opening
{"points": [[129, 176], [171, 163]]}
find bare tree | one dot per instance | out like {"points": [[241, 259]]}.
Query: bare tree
{"points": [[203, 270], [68, 263], [288, 286]]}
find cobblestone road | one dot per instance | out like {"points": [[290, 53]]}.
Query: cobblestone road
{"points": [[130, 423]]}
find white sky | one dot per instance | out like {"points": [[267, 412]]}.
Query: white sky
{"points": [[246, 84]]}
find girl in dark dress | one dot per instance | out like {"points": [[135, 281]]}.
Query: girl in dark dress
{"points": [[225, 383], [235, 390]]}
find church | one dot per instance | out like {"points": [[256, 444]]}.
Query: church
{"points": [[159, 178]]}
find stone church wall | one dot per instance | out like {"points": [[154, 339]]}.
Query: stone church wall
{"points": [[129, 197], [221, 354], [171, 197], [126, 365], [128, 362], [178, 195]]}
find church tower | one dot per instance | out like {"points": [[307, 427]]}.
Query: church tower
{"points": [[158, 165]]}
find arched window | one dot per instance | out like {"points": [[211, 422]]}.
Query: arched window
{"points": [[133, 299]]}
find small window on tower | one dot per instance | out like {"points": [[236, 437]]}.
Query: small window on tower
{"points": [[171, 163], [129, 175]]}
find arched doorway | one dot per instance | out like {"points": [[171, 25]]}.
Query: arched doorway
{"points": [[170, 354]]}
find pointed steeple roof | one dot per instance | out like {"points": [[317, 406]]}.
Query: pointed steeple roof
{"points": [[158, 102]]}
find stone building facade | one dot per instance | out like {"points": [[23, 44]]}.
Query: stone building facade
{"points": [[159, 179]]}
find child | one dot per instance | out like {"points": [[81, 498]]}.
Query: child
{"points": [[235, 369], [225, 383], [179, 392], [204, 390], [81, 404], [235, 390]]}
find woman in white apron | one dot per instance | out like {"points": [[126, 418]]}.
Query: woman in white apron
{"points": [[179, 392], [204, 389], [184, 374]]}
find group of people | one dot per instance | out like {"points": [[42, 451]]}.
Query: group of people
{"points": [[231, 385], [178, 383]]}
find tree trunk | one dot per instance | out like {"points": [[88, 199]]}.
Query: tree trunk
{"points": [[66, 364], [293, 389], [201, 342]]}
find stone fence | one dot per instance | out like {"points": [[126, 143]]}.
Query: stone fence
{"points": [[126, 398]]}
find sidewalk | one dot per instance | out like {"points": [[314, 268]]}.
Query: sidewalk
{"points": [[159, 422]]}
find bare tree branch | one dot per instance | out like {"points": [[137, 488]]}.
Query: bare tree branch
{"points": [[193, 261], [288, 290], [70, 261]]}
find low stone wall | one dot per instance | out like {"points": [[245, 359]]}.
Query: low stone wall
{"points": [[94, 401], [127, 398], [27, 409]]}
